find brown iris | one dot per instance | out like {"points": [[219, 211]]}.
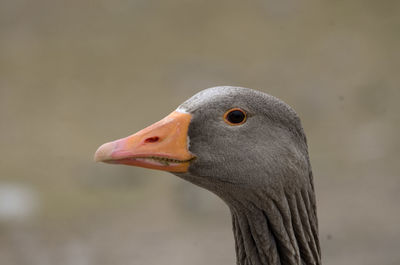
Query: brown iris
{"points": [[235, 116]]}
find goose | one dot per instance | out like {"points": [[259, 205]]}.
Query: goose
{"points": [[249, 148]]}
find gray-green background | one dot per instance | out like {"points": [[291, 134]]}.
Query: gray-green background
{"points": [[75, 74]]}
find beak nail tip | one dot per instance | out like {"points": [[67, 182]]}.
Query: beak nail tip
{"points": [[103, 152]]}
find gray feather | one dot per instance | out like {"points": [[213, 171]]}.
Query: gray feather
{"points": [[261, 169]]}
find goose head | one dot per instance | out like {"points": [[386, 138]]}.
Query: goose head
{"points": [[249, 148]]}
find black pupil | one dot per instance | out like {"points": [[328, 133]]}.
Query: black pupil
{"points": [[235, 116]]}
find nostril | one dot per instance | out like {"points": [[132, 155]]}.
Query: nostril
{"points": [[152, 139]]}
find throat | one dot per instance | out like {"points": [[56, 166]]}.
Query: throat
{"points": [[276, 232]]}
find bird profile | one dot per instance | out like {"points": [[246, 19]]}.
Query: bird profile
{"points": [[248, 148]]}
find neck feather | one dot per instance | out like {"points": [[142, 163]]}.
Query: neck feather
{"points": [[276, 230]]}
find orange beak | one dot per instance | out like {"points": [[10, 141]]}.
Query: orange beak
{"points": [[162, 146]]}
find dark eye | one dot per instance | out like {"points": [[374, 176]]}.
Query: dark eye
{"points": [[235, 116]]}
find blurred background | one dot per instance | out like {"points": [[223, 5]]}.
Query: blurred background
{"points": [[75, 74]]}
